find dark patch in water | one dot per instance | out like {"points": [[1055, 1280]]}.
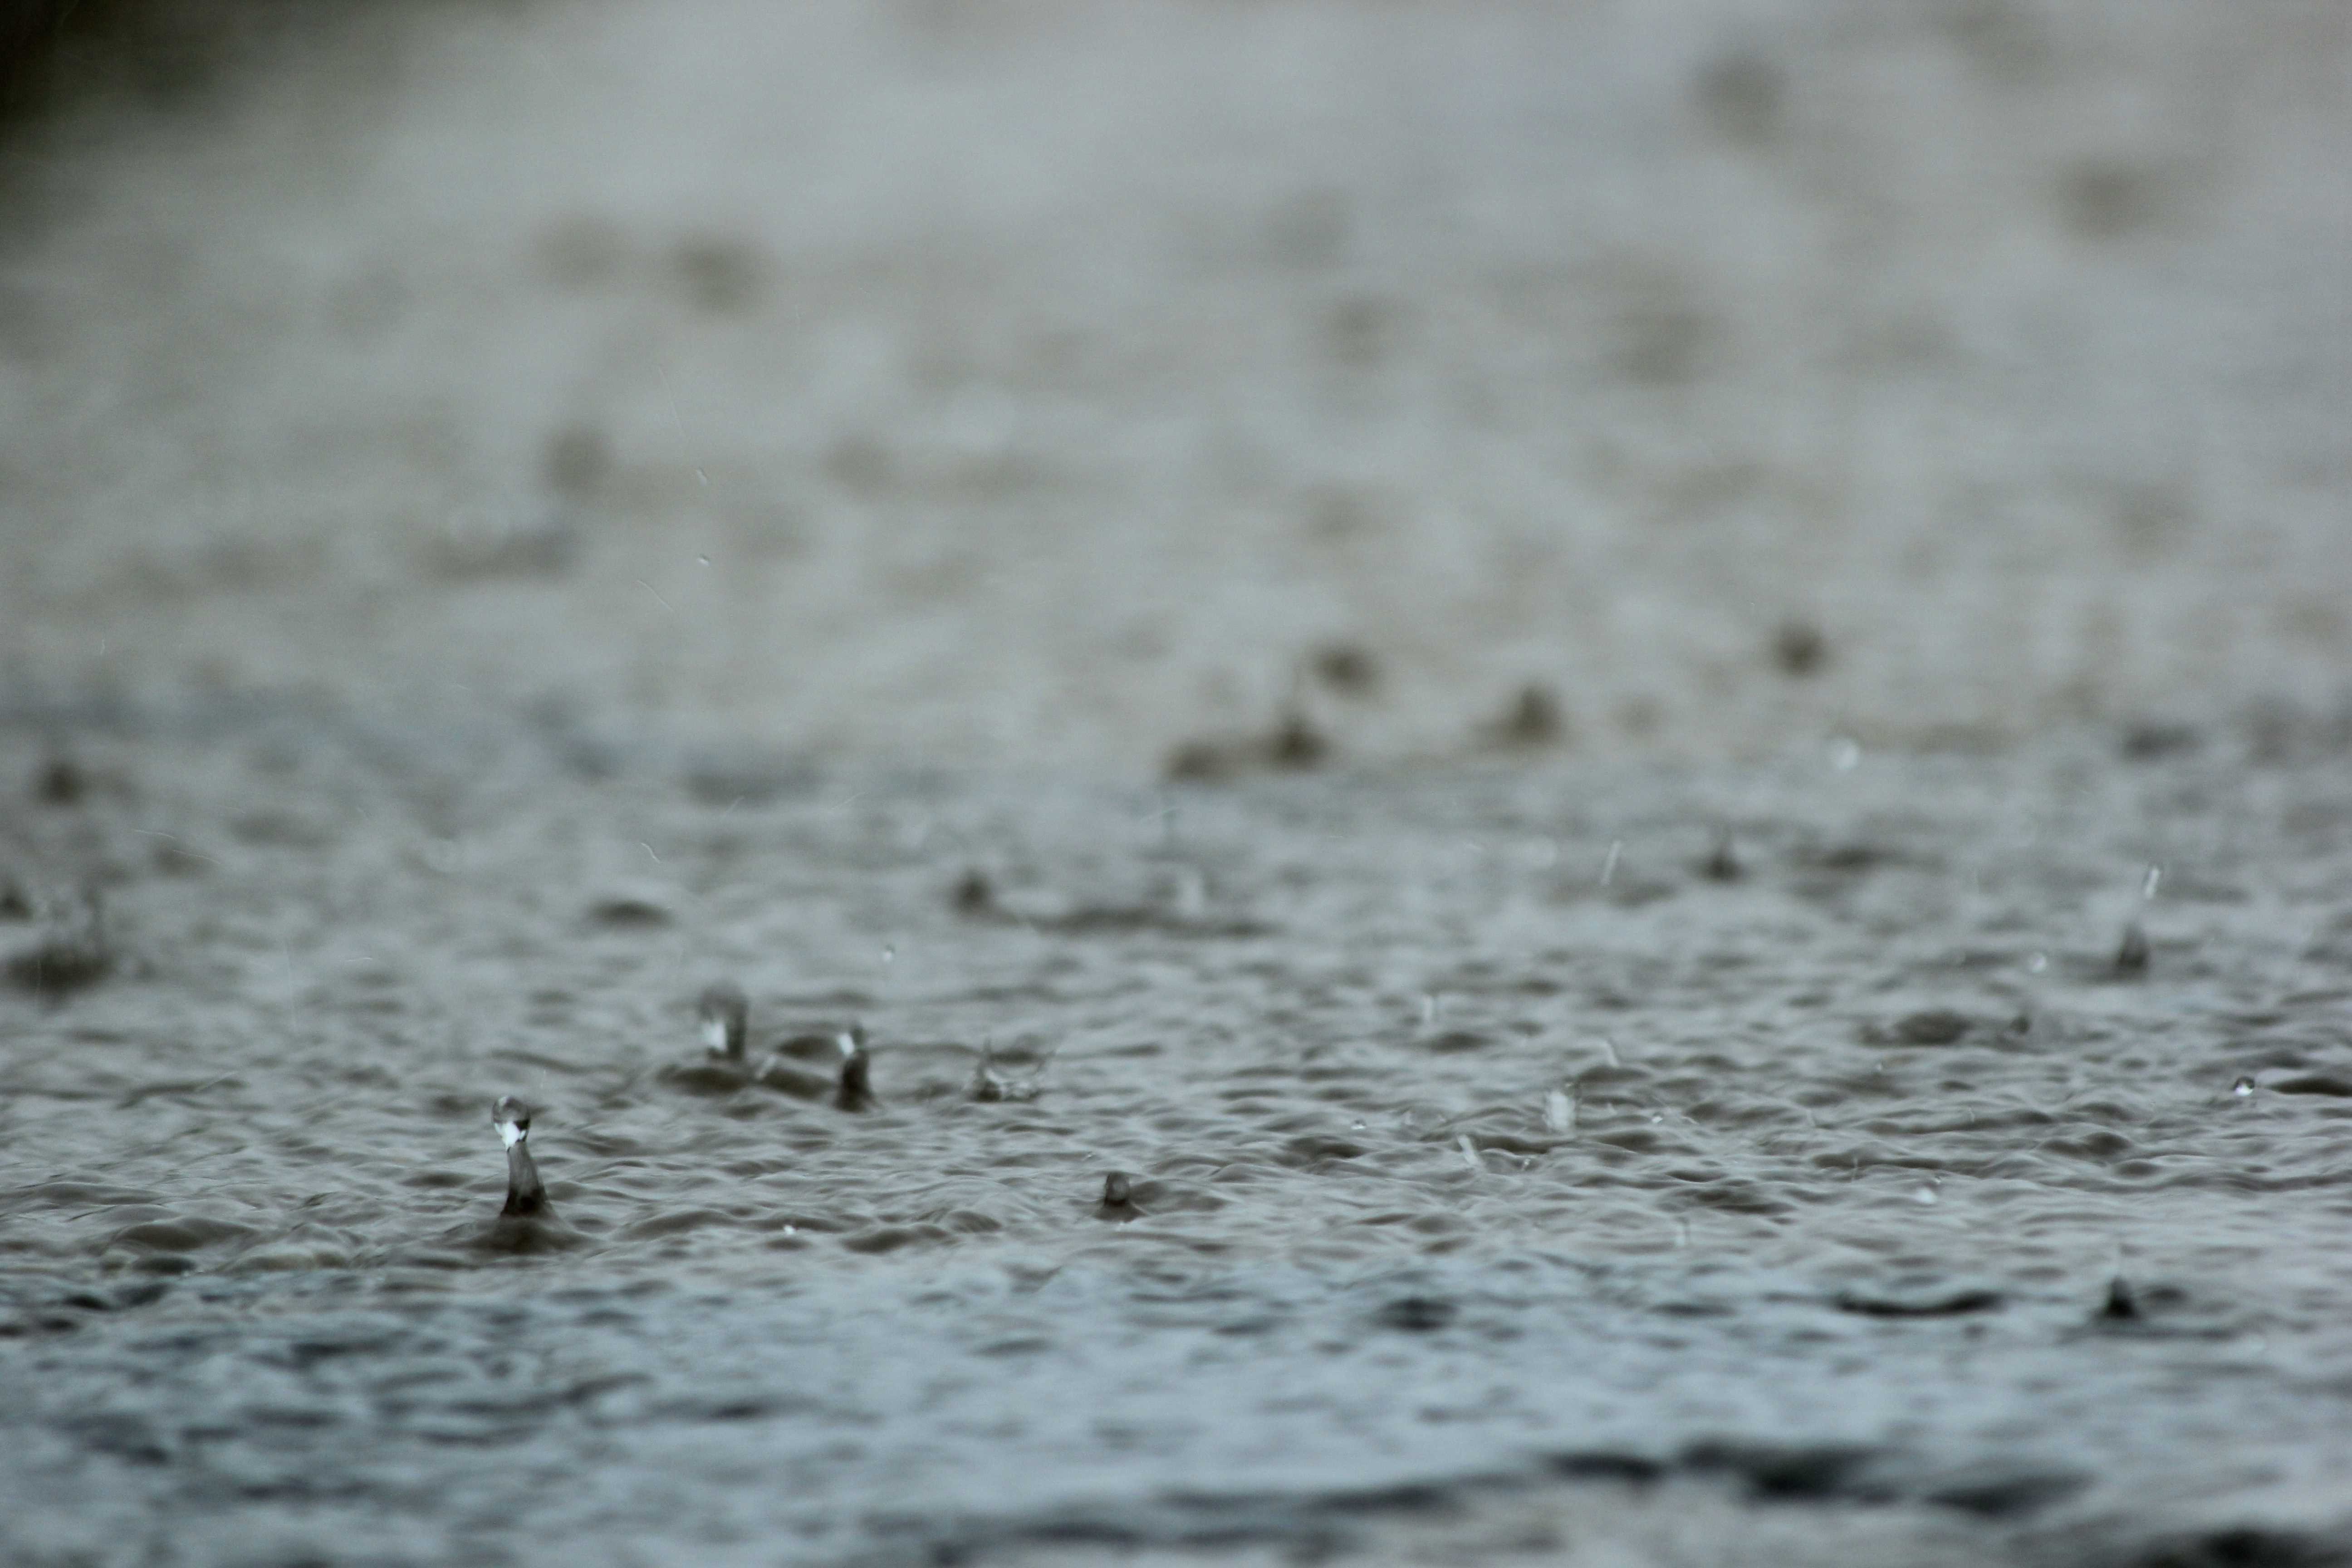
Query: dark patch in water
{"points": [[1956, 1303], [2332, 1084], [61, 963], [1722, 862], [2241, 1546], [1635, 1470], [60, 781], [1934, 1026], [1416, 1314], [628, 912], [1999, 1491], [1533, 718], [1784, 1472], [974, 896], [1799, 648], [2150, 739], [1346, 667], [1298, 744]]}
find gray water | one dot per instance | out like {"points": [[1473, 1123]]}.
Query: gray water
{"points": [[1247, 560], [1788, 1283]]}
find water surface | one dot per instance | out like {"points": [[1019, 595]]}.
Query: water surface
{"points": [[1513, 1172]]}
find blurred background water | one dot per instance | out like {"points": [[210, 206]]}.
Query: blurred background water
{"points": [[1536, 659]]}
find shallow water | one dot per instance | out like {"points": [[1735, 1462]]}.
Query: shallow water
{"points": [[1477, 402], [1769, 1272]]}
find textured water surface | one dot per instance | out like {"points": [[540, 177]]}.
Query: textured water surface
{"points": [[1608, 1163]]}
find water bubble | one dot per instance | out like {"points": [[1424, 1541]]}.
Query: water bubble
{"points": [[1657, 1118], [1845, 753], [2244, 1088], [890, 954], [705, 560], [1924, 1195], [1355, 1127]]}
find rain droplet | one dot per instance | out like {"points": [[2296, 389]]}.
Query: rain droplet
{"points": [[1609, 867], [1657, 1118], [2244, 1088], [1430, 1007], [2147, 883], [703, 559], [1923, 1195], [889, 953], [1559, 1112], [2038, 963], [1355, 1127], [1469, 1153], [1845, 753]]}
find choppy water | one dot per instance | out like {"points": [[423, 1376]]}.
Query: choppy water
{"points": [[1771, 1279]]}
